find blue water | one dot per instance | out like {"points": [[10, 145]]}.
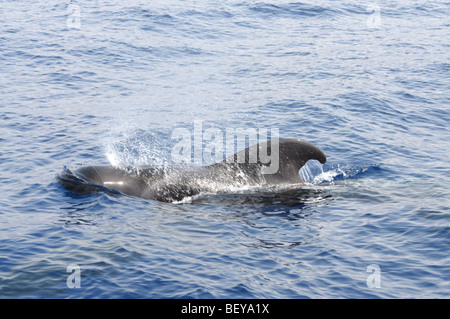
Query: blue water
{"points": [[104, 82]]}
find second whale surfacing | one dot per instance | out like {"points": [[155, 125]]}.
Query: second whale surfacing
{"points": [[252, 166]]}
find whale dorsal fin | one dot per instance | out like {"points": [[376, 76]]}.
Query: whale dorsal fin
{"points": [[279, 159]]}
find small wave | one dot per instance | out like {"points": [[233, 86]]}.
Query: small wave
{"points": [[271, 198], [346, 172], [293, 10]]}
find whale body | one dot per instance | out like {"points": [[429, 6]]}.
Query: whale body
{"points": [[249, 167]]}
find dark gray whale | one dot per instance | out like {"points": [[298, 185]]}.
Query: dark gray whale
{"points": [[265, 164]]}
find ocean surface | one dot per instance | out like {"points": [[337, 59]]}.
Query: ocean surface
{"points": [[109, 82]]}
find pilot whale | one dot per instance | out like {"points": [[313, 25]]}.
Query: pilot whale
{"points": [[249, 167]]}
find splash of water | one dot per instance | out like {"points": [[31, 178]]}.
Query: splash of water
{"points": [[338, 172], [135, 148], [311, 171]]}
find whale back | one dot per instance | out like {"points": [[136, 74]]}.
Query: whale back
{"points": [[279, 160], [268, 163], [90, 178]]}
